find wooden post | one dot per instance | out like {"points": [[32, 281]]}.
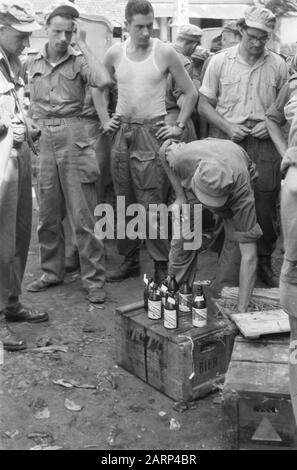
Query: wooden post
{"points": [[181, 16]]}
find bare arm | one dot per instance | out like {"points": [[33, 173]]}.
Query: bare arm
{"points": [[290, 184], [276, 136], [184, 83], [100, 75], [109, 124], [187, 88], [207, 110], [172, 176], [247, 274], [100, 103]]}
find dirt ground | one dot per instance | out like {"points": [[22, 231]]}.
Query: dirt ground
{"points": [[121, 411]]}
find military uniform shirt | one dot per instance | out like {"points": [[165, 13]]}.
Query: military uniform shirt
{"points": [[58, 91], [238, 212]]}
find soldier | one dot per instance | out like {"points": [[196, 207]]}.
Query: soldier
{"points": [[279, 114], [219, 175], [17, 22], [188, 38], [239, 86], [288, 279], [68, 167], [141, 66]]}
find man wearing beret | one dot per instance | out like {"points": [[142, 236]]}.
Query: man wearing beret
{"points": [[68, 167], [188, 38], [219, 174], [239, 85], [17, 22]]}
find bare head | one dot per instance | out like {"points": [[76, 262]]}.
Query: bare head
{"points": [[59, 30], [139, 21]]}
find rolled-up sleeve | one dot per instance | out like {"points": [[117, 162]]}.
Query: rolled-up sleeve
{"points": [[276, 110], [85, 71], [290, 158], [243, 226]]}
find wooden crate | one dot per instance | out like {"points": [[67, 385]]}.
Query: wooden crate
{"points": [[167, 359], [256, 400]]}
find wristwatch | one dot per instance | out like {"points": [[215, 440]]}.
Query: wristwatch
{"points": [[180, 125]]}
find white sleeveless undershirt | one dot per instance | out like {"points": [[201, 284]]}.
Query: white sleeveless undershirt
{"points": [[141, 86]]}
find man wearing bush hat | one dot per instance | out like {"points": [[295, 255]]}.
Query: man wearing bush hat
{"points": [[239, 86], [17, 22], [69, 171]]}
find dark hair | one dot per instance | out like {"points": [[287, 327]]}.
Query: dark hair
{"points": [[62, 15], [137, 7]]}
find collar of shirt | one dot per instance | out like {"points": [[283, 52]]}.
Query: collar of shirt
{"points": [[71, 52], [234, 53]]}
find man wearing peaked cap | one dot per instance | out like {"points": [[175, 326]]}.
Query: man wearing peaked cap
{"points": [[239, 86], [188, 38], [58, 77], [17, 22], [190, 32], [231, 35], [219, 174], [61, 7], [260, 18]]}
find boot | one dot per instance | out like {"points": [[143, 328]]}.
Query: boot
{"points": [[161, 271], [129, 268], [10, 341], [266, 273]]}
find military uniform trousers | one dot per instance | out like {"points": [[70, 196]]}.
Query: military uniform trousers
{"points": [[67, 181], [139, 176], [15, 225]]}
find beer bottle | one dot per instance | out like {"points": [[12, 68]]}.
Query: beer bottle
{"points": [[199, 311], [185, 298], [172, 284], [148, 284], [164, 291], [154, 303], [171, 312]]}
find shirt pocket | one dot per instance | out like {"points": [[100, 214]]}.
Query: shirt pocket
{"points": [[230, 89], [35, 83], [71, 86]]}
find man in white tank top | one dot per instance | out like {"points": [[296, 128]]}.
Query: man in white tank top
{"points": [[141, 66]]}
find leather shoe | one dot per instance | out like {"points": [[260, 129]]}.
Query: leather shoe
{"points": [[10, 341], [96, 295], [23, 314], [129, 268], [39, 285], [266, 275]]}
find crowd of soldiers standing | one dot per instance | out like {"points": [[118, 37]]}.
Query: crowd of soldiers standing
{"points": [[188, 124]]}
